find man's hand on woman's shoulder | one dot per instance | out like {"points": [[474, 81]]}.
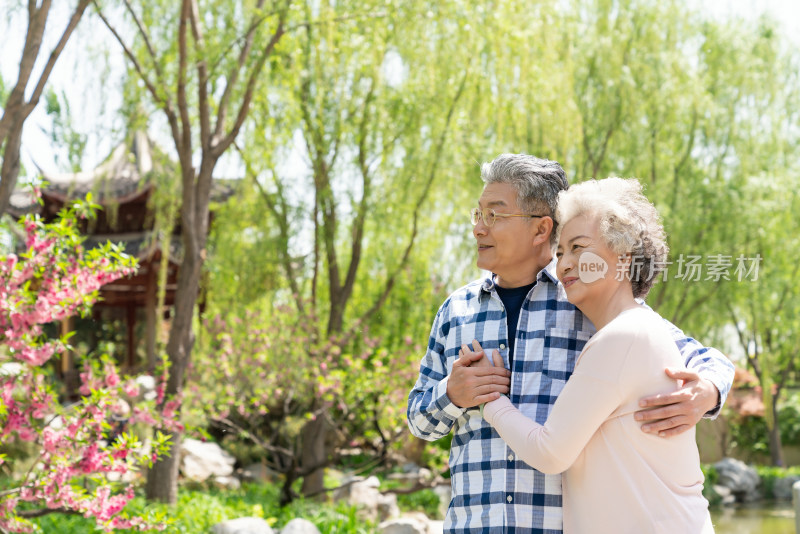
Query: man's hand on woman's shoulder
{"points": [[673, 413]]}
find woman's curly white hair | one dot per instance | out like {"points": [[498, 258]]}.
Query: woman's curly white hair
{"points": [[629, 224]]}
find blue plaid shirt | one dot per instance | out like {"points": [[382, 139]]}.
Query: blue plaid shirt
{"points": [[492, 490]]}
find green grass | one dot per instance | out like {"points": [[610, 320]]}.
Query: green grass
{"points": [[198, 510], [426, 501]]}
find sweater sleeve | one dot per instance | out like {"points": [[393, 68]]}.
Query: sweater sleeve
{"points": [[589, 397], [708, 362]]}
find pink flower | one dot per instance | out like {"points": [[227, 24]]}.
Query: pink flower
{"points": [[54, 280], [131, 388], [112, 379]]}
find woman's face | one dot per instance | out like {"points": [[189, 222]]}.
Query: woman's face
{"points": [[586, 266]]}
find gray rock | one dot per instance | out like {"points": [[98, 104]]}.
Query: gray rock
{"points": [[445, 493], [782, 489], [404, 525], [300, 526], [725, 494], [243, 525], [410, 467], [741, 479], [11, 369], [258, 472], [200, 461], [147, 387], [365, 495], [436, 527], [228, 481], [387, 506]]}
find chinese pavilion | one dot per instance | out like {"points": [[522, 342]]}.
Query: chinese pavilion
{"points": [[124, 186]]}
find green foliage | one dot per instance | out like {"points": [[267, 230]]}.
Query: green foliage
{"points": [[699, 110], [426, 501], [361, 158], [244, 263], [266, 376], [749, 434], [197, 511], [769, 474], [711, 476]]}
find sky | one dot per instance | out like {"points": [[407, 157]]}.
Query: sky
{"points": [[95, 100]]}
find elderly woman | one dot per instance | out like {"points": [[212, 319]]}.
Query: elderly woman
{"points": [[616, 477]]}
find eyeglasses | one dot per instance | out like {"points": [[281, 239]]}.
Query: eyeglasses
{"points": [[489, 216]]}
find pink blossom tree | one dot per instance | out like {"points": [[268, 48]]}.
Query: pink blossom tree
{"points": [[79, 463], [260, 378]]}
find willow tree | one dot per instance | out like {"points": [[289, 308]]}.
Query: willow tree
{"points": [[761, 307], [200, 64], [372, 106], [649, 90], [765, 157]]}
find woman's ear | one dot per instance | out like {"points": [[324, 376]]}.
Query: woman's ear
{"points": [[543, 230]]}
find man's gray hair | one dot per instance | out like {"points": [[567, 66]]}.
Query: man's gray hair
{"points": [[537, 182]]}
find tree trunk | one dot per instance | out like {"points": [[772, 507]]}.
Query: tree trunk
{"points": [[314, 453], [775, 446], [162, 480], [10, 167], [15, 109]]}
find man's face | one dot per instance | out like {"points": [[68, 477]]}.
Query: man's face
{"points": [[506, 248]]}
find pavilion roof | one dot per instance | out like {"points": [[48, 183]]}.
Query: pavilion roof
{"points": [[126, 175]]}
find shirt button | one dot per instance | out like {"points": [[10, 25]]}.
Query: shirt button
{"points": [[509, 498], [502, 346], [510, 457]]}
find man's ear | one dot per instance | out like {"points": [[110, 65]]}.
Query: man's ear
{"points": [[543, 231]]}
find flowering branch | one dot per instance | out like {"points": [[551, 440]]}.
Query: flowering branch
{"points": [[80, 460]]}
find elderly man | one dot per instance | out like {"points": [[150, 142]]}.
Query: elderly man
{"points": [[522, 310]]}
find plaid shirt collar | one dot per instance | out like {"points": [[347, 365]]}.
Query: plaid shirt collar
{"points": [[548, 273]]}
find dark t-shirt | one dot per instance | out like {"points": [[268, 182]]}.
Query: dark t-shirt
{"points": [[512, 298]]}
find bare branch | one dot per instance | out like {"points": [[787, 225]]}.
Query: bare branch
{"points": [[438, 151], [366, 188], [281, 219], [786, 293], [146, 38], [14, 108], [233, 75], [324, 204], [202, 77], [184, 142], [684, 159], [51, 61], [162, 101], [29, 514], [315, 275], [696, 303], [252, 437], [342, 18], [244, 107], [753, 361]]}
